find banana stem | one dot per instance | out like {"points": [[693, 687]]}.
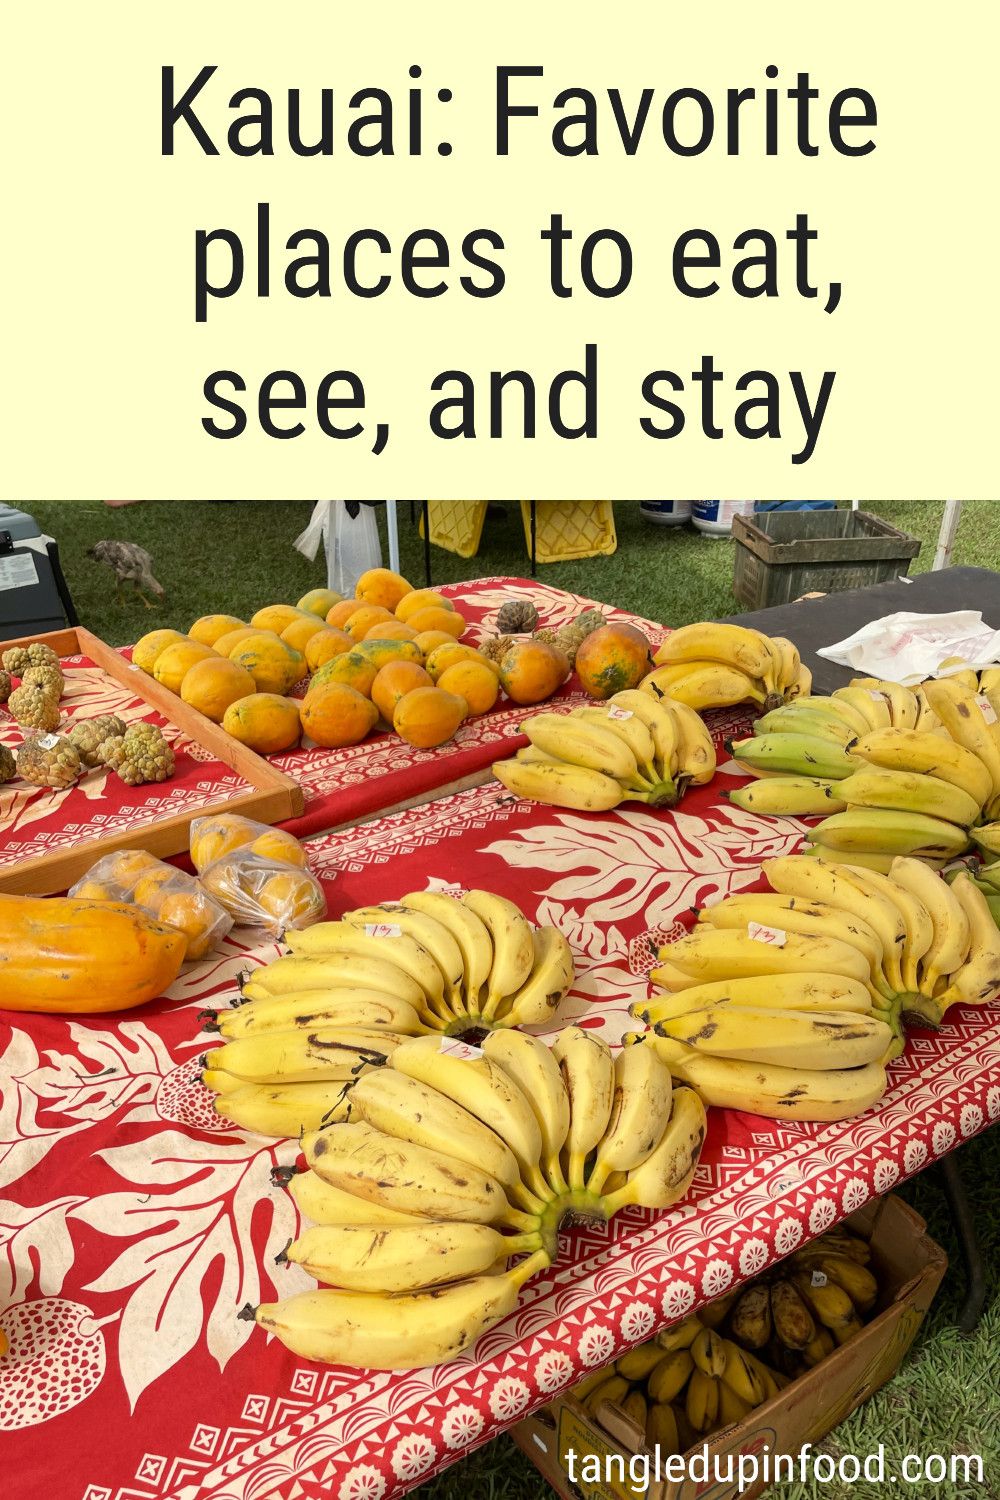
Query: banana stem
{"points": [[598, 1177], [522, 1244], [490, 1008], [577, 1171], [527, 1199], [540, 1261], [538, 1184], [523, 1223], [612, 1202], [664, 793], [554, 1175]]}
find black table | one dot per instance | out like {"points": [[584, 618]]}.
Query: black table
{"points": [[812, 623]]}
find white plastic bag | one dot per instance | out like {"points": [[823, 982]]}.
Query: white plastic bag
{"points": [[351, 542], [907, 647]]}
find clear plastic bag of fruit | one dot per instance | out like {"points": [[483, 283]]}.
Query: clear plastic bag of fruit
{"points": [[265, 893], [214, 837], [166, 893]]}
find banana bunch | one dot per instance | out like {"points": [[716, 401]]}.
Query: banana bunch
{"points": [[788, 1003], [635, 747], [717, 666], [450, 1162], [891, 771], [718, 1364], [307, 1026]]}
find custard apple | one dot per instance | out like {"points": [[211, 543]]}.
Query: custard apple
{"points": [[495, 647], [48, 760], [139, 756], [515, 616], [34, 708], [8, 765], [15, 660], [89, 735], [4, 686], [48, 677], [41, 655]]}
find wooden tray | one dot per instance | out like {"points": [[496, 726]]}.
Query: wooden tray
{"points": [[273, 797]]}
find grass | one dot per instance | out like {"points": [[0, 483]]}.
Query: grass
{"points": [[233, 557]]}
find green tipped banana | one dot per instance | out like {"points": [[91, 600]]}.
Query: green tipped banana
{"points": [[881, 831], [794, 755], [791, 719], [789, 797]]}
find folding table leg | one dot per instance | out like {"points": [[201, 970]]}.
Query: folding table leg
{"points": [[534, 551], [975, 1296], [427, 541]]}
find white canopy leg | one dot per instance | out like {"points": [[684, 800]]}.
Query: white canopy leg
{"points": [[946, 536]]}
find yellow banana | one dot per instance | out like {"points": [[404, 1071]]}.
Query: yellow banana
{"points": [[321, 1008], [634, 1407], [732, 1408], [822, 1345], [640, 1111], [667, 1173], [962, 714], [742, 1375], [403, 1332], [426, 930], [789, 661], [326, 1204], [750, 1319], [744, 649], [513, 949], [680, 1335], [776, 1092], [695, 751], [929, 754], [284, 1111], [326, 939], [338, 971], [792, 718], [709, 1354], [702, 1401], [792, 1320], [469, 932], [880, 831], [916, 918], [778, 991], [856, 1280], [656, 716], [613, 1388], [870, 703], [711, 686], [629, 728], [533, 1067], [794, 875], [409, 1110], [304, 1056], [587, 1069], [661, 1429], [810, 1040], [952, 933], [639, 1363], [791, 914], [559, 785], [904, 706], [551, 976], [978, 980], [827, 1301], [836, 708], [909, 791], [400, 1257], [670, 1376], [708, 954], [579, 743]]}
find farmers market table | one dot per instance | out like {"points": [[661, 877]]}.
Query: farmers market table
{"points": [[135, 1223], [341, 787]]}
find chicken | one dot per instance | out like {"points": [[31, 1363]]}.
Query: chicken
{"points": [[130, 563]]}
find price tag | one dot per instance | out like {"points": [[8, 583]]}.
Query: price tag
{"points": [[458, 891], [986, 708], [877, 696], [383, 929], [450, 1046], [620, 713], [817, 1279], [776, 936], [47, 741]]}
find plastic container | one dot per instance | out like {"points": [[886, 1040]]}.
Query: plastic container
{"points": [[265, 893], [784, 554], [715, 517], [666, 512], [164, 892]]}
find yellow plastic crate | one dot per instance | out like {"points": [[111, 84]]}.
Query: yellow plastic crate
{"points": [[569, 529], [456, 525]]}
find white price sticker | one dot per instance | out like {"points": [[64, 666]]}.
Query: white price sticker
{"points": [[817, 1279], [986, 708], [383, 929], [877, 696], [760, 933], [47, 741], [452, 1047], [620, 713]]}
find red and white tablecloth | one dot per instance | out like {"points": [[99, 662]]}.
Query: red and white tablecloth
{"points": [[134, 1225]]}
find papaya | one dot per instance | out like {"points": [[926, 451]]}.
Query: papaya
{"points": [[194, 915], [319, 602], [532, 671], [282, 847], [443, 657], [420, 599], [350, 669], [272, 663], [434, 618], [382, 586], [209, 628], [300, 632], [128, 865], [428, 639], [339, 615], [212, 837], [393, 681], [385, 651], [325, 645], [428, 716], [473, 681], [267, 722], [225, 644], [173, 664], [612, 660], [213, 684], [146, 650], [334, 714], [391, 630], [364, 617], [291, 899], [62, 955], [274, 617]]}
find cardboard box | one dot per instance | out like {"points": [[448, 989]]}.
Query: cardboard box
{"points": [[909, 1266]]}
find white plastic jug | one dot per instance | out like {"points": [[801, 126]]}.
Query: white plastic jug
{"points": [[715, 517], [666, 512]]}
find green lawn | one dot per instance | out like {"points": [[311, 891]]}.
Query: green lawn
{"points": [[234, 557]]}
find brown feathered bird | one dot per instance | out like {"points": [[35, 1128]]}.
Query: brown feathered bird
{"points": [[130, 563]]}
